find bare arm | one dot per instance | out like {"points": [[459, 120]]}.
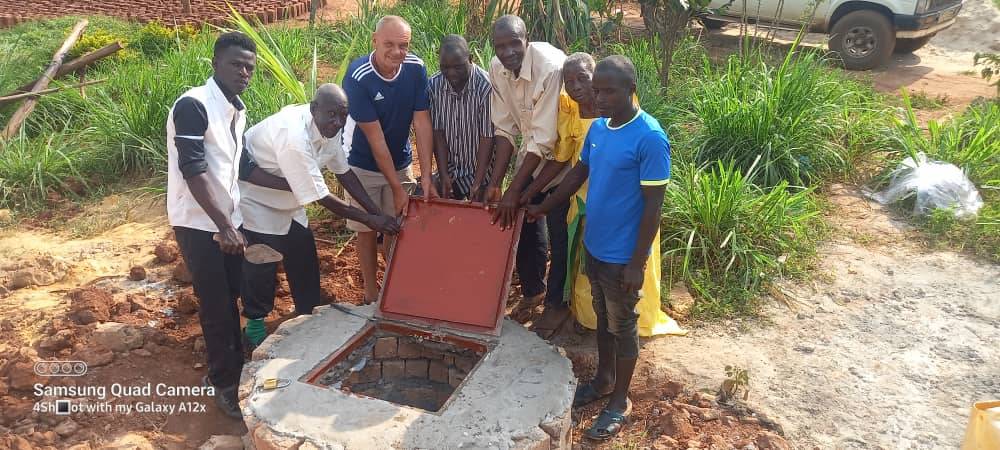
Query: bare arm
{"points": [[425, 145], [649, 224], [375, 221], [352, 185], [570, 185], [483, 155], [545, 176], [219, 210], [441, 155], [260, 177]]}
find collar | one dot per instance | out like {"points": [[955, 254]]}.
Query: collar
{"points": [[525, 73], [371, 60], [638, 113], [220, 94]]}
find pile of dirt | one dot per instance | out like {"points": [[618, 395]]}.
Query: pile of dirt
{"points": [[976, 30]]}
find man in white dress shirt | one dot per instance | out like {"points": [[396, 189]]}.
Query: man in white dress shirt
{"points": [[281, 175]]}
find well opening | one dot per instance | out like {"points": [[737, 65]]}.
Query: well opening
{"points": [[400, 365]]}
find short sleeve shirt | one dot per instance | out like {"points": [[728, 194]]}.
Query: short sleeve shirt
{"points": [[391, 102], [288, 145], [621, 160]]}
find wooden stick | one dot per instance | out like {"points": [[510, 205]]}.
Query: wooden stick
{"points": [[11, 98], [29, 105], [76, 64]]}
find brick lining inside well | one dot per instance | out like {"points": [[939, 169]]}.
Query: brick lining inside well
{"points": [[402, 369]]}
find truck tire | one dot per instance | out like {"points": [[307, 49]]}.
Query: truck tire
{"points": [[863, 39], [712, 24], [905, 45]]}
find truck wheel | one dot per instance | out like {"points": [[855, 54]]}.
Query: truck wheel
{"points": [[863, 39], [712, 24], [905, 45]]}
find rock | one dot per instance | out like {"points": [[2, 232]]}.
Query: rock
{"points": [[20, 443], [6, 216], [66, 428], [6, 325], [768, 441], [117, 337], [187, 303], [20, 279], [222, 442], [717, 442], [674, 424], [181, 273], [95, 357], [62, 339], [4, 388], [166, 252], [22, 376], [665, 443], [142, 352], [672, 389], [130, 441], [681, 301], [46, 438], [709, 415], [89, 305], [80, 446], [137, 273], [199, 344]]}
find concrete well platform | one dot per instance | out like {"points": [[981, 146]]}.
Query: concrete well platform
{"points": [[518, 397]]}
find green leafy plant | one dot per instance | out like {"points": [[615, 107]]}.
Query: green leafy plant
{"points": [[737, 380], [991, 67], [726, 237], [96, 38], [154, 38], [33, 168]]}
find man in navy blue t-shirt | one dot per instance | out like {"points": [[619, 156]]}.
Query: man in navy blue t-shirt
{"points": [[386, 92], [626, 157]]}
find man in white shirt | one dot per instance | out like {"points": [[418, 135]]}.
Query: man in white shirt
{"points": [[527, 81], [204, 144], [281, 175]]}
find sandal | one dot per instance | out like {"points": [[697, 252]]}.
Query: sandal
{"points": [[609, 423], [586, 394]]}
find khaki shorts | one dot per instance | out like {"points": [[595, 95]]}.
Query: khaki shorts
{"points": [[379, 191]]}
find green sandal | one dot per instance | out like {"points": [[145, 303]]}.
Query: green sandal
{"points": [[609, 423]]}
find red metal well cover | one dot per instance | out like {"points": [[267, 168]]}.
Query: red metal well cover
{"points": [[450, 268]]}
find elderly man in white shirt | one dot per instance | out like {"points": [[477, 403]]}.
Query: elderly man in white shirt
{"points": [[283, 174]]}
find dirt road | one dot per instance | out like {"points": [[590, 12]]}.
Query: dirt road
{"points": [[887, 348]]}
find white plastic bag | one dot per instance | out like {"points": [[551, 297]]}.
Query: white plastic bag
{"points": [[935, 184]]}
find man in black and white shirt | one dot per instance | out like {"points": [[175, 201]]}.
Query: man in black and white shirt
{"points": [[290, 148], [460, 114], [204, 144]]}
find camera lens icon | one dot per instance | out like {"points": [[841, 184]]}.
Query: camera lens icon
{"points": [[60, 368]]}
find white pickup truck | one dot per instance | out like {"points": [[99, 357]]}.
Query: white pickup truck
{"points": [[863, 33]]}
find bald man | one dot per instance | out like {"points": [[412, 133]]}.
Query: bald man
{"points": [[281, 175], [387, 90]]}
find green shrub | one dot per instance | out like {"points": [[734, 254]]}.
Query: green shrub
{"points": [[727, 237], [154, 38], [796, 117], [95, 38]]}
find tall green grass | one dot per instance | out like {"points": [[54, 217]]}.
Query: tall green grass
{"points": [[726, 237], [798, 117], [32, 168]]}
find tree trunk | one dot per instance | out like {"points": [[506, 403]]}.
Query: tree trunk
{"points": [[29, 105]]}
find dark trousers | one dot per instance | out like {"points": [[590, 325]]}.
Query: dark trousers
{"points": [[298, 250], [556, 224], [617, 320], [216, 279], [532, 253]]}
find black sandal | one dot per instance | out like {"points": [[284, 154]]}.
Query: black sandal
{"points": [[608, 424], [586, 394]]}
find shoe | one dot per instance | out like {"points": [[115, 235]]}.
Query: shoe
{"points": [[226, 399]]}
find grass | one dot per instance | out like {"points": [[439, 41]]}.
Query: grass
{"points": [[920, 100], [726, 237], [803, 120]]}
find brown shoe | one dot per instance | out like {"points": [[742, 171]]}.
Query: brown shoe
{"points": [[526, 308], [551, 321]]}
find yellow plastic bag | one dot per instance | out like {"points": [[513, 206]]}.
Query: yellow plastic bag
{"points": [[983, 432]]}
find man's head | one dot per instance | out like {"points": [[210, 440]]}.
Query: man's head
{"points": [[510, 41], [329, 109], [614, 85], [233, 60], [578, 74], [454, 60], [391, 41]]}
